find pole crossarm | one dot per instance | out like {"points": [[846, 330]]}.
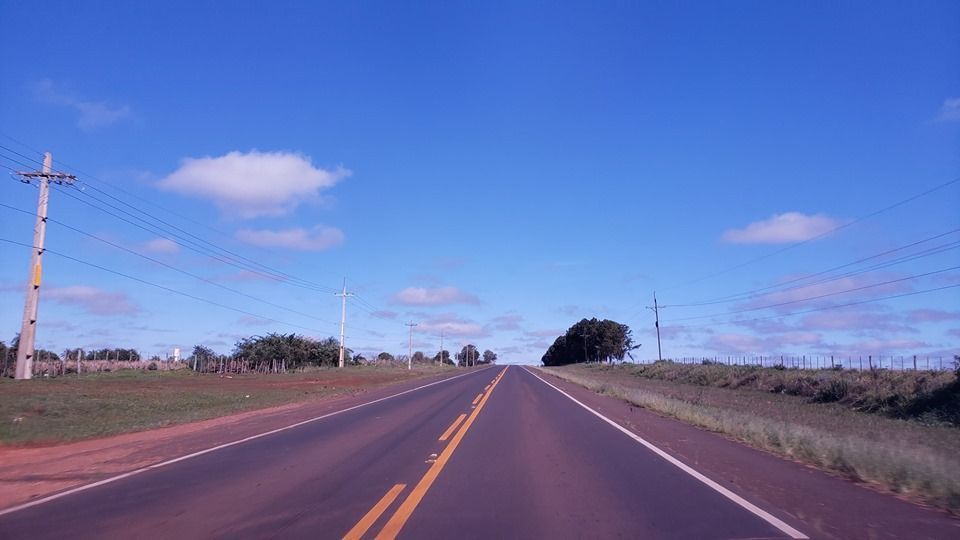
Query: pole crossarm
{"points": [[55, 177]]}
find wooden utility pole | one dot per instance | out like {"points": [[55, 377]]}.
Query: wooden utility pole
{"points": [[410, 348], [656, 314], [343, 317], [28, 330]]}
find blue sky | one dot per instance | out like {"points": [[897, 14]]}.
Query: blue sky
{"points": [[493, 170]]}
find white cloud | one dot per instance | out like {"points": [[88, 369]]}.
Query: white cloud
{"points": [[161, 245], [782, 229], [881, 346], [949, 111], [249, 320], [92, 300], [437, 296], [452, 326], [726, 343], [932, 315], [506, 322], [547, 333], [857, 319], [739, 343], [253, 184], [93, 114], [832, 292], [316, 239]]}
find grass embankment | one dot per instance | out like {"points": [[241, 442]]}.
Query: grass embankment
{"points": [[795, 414], [39, 411]]}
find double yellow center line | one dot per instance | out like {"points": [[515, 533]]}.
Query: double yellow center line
{"points": [[403, 513]]}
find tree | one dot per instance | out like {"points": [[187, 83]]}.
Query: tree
{"points": [[385, 357], [280, 352], [4, 356], [419, 358], [590, 340], [445, 355], [489, 357], [200, 351], [468, 355]]}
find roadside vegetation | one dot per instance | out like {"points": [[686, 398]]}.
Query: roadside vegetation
{"points": [[591, 340], [49, 411], [267, 354], [897, 430]]}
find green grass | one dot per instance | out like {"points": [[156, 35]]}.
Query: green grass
{"points": [[908, 457], [928, 396], [39, 411]]}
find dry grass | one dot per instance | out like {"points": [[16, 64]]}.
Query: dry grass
{"points": [[927, 396], [38, 411], [907, 457]]}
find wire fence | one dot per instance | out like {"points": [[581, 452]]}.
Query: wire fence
{"points": [[48, 366], [855, 362]]}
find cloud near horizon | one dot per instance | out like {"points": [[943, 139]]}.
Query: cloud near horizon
{"points": [[93, 114], [452, 326], [318, 238], [784, 228], [92, 300], [949, 111], [832, 292], [253, 184], [433, 296], [161, 245]]}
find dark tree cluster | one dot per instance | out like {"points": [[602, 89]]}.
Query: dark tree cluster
{"points": [[469, 355], [591, 340], [291, 351]]}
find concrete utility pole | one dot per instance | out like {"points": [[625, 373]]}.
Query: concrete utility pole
{"points": [[410, 350], [343, 316], [441, 345], [28, 330], [656, 314]]}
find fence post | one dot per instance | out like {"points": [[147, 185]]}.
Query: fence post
{"points": [[870, 361]]}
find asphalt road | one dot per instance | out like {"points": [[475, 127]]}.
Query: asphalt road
{"points": [[496, 453]]}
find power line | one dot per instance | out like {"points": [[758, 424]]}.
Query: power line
{"points": [[778, 287], [817, 237], [162, 287], [165, 223], [172, 267], [827, 308], [233, 255], [85, 181], [818, 297], [186, 243]]}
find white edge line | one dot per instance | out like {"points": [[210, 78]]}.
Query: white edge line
{"points": [[135, 472], [745, 504]]}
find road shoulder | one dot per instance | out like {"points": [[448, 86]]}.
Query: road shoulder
{"points": [[828, 506], [31, 473]]}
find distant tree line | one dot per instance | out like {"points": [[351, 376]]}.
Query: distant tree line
{"points": [[270, 353], [283, 352], [591, 340]]}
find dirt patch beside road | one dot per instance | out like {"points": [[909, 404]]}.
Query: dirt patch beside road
{"points": [[29, 471]]}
